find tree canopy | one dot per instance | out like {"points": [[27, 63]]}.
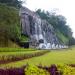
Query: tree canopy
{"points": [[57, 21], [15, 3]]}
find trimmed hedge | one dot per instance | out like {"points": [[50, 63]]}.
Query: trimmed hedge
{"points": [[17, 57]]}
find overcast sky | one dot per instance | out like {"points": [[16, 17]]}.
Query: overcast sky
{"points": [[64, 7]]}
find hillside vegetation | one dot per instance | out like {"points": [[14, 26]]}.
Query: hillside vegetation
{"points": [[9, 24], [63, 31], [14, 3], [10, 28]]}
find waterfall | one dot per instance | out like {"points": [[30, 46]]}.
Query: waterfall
{"points": [[40, 32]]}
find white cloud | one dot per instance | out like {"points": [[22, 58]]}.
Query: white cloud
{"points": [[66, 8]]}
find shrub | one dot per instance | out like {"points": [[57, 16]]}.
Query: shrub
{"points": [[66, 70], [34, 70]]}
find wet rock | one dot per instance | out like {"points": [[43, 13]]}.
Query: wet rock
{"points": [[40, 32]]}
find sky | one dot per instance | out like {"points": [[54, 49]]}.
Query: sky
{"points": [[63, 7]]}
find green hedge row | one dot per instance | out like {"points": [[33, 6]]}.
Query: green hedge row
{"points": [[20, 56]]}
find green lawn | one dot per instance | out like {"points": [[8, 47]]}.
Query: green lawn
{"points": [[6, 49], [17, 53], [65, 56], [14, 54]]}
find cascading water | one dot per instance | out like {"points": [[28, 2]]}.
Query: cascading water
{"points": [[41, 33], [38, 32], [43, 44], [40, 36]]}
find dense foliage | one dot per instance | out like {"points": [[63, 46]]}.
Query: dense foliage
{"points": [[58, 22], [15, 3], [66, 70], [72, 41], [34, 70], [9, 24], [40, 70]]}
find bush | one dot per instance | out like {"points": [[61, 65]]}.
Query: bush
{"points": [[66, 70], [34, 70]]}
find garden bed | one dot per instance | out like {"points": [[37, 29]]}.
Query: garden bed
{"points": [[11, 57], [40, 70]]}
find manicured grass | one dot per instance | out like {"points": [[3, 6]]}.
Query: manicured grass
{"points": [[65, 56], [6, 49], [17, 53], [8, 55]]}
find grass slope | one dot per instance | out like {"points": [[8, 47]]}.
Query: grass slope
{"points": [[61, 37]]}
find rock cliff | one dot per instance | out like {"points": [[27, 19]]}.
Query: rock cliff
{"points": [[40, 32]]}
